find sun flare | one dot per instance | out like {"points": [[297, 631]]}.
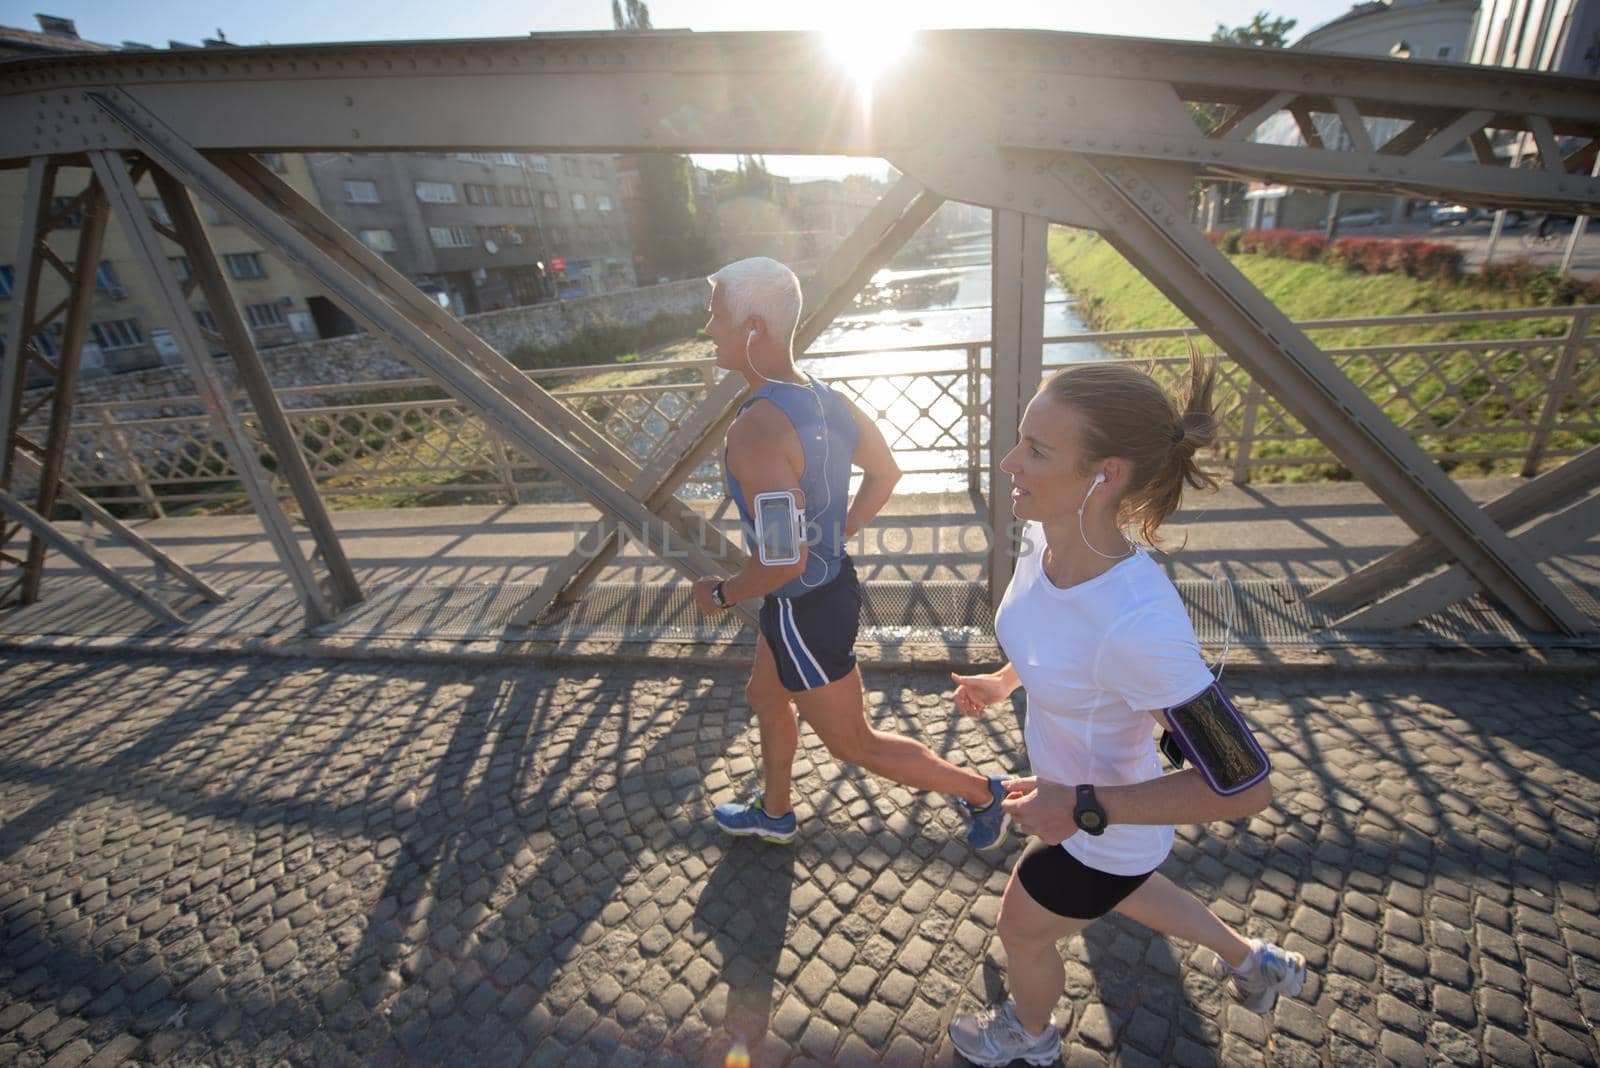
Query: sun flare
{"points": [[867, 50]]}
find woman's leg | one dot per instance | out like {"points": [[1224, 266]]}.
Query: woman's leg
{"points": [[1162, 905], [1034, 971]]}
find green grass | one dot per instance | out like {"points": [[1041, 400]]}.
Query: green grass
{"points": [[1114, 296]]}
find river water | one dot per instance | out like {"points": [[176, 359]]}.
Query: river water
{"points": [[920, 398]]}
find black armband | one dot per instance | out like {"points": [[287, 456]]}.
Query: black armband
{"points": [[1216, 739]]}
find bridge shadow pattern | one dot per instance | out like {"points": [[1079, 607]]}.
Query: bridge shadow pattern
{"points": [[235, 859]]}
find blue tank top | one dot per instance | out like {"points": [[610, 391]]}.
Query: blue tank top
{"points": [[828, 433]]}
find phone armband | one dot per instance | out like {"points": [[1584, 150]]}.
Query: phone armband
{"points": [[778, 527], [1214, 736]]}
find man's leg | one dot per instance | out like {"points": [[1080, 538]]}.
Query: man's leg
{"points": [[780, 734], [837, 713]]}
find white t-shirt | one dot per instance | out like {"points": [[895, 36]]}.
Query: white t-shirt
{"points": [[1097, 659]]}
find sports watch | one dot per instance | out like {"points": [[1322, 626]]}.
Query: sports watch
{"points": [[1087, 813], [717, 598]]}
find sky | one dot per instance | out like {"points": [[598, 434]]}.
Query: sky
{"points": [[155, 22]]}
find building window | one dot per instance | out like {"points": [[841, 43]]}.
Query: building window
{"points": [[44, 342], [540, 164], [549, 200], [379, 240], [436, 193], [580, 202], [359, 192], [181, 267], [245, 265], [105, 281], [273, 160], [212, 216], [571, 166], [602, 202], [518, 197], [8, 279], [450, 236], [157, 210], [482, 194], [597, 169], [269, 314], [117, 334], [70, 222], [207, 321]]}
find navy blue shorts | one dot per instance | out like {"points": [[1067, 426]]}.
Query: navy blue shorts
{"points": [[813, 636]]}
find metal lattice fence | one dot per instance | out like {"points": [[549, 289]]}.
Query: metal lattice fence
{"points": [[1528, 400]]}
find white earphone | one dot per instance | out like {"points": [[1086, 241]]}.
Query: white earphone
{"points": [[1099, 477]]}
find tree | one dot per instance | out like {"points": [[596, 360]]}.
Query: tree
{"points": [[630, 15], [1263, 31]]}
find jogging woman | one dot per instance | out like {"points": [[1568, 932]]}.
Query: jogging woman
{"points": [[1097, 634]]}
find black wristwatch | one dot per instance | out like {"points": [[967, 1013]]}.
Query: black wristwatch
{"points": [[1087, 813], [717, 598]]}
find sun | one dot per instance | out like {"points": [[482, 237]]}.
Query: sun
{"points": [[869, 48]]}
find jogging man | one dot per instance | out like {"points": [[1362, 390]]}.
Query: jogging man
{"points": [[798, 437]]}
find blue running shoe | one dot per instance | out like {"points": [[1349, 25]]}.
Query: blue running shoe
{"points": [[750, 818], [987, 826]]}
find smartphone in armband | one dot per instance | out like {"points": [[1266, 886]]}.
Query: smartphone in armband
{"points": [[1212, 733], [778, 527]]}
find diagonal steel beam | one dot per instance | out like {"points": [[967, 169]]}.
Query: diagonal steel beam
{"points": [[433, 355], [40, 527], [227, 425], [1157, 238], [24, 303], [344, 590], [124, 533], [383, 280], [91, 237], [887, 227], [1555, 488], [1571, 526]]}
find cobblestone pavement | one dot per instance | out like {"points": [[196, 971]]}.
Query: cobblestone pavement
{"points": [[255, 861]]}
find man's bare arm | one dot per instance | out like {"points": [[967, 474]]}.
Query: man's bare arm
{"points": [[881, 473], [762, 447]]}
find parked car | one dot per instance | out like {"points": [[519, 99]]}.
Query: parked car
{"points": [[1362, 217], [1449, 214]]}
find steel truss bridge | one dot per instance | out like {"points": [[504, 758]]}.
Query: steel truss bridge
{"points": [[1094, 132]]}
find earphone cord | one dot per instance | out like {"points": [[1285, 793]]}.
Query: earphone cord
{"points": [[1092, 487], [822, 421]]}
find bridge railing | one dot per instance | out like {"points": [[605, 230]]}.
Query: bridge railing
{"points": [[1519, 402]]}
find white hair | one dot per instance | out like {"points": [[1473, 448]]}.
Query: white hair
{"points": [[761, 286]]}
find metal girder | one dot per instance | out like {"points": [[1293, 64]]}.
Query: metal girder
{"points": [[404, 297], [1569, 527], [1555, 488], [433, 355], [229, 428], [343, 589], [24, 303], [781, 92], [91, 236], [887, 227], [1016, 361], [40, 527], [1155, 237], [126, 534]]}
